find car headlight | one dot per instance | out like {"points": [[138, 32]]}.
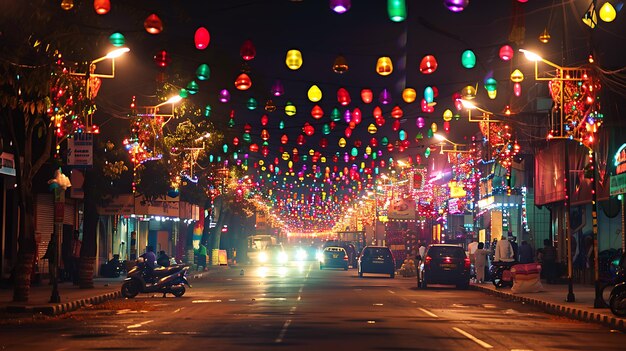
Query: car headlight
{"points": [[282, 257], [301, 255], [263, 257], [319, 256]]}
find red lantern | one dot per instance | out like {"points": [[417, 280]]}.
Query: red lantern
{"points": [[348, 132], [367, 95], [396, 125], [397, 112], [201, 38], [235, 141], [265, 151], [323, 143], [517, 89], [343, 97], [265, 135], [243, 82], [284, 139], [254, 148], [300, 140], [426, 108], [162, 58], [456, 98], [317, 112], [380, 121], [247, 128], [102, 7], [264, 120], [506, 53], [390, 147], [428, 64], [446, 126], [153, 24], [308, 129], [352, 125], [373, 142], [377, 112], [357, 143], [357, 116], [247, 51]]}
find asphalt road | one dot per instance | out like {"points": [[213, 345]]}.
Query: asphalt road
{"points": [[303, 308]]}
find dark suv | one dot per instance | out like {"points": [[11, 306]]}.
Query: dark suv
{"points": [[376, 259], [444, 264]]}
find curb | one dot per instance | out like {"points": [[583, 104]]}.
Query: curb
{"points": [[560, 310], [61, 308]]}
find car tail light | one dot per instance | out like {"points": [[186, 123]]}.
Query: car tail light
{"points": [[345, 258], [427, 261], [447, 260], [467, 262]]}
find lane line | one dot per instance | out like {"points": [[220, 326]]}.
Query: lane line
{"points": [[178, 310], [392, 292], [139, 324], [281, 335], [428, 312], [473, 338]]}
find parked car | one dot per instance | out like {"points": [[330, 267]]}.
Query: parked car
{"points": [[334, 257], [444, 264], [273, 255], [376, 259]]}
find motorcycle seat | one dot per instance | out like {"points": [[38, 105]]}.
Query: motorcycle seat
{"points": [[164, 271]]}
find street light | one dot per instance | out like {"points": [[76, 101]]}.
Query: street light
{"points": [[560, 75], [443, 140]]}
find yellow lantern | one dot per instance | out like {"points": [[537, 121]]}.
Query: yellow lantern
{"points": [[294, 59], [372, 128], [492, 94], [290, 164], [545, 36], [342, 142], [311, 152], [323, 159], [409, 95], [314, 93], [384, 67], [468, 93], [517, 76], [433, 127], [285, 155], [368, 150], [607, 12], [290, 109], [447, 115]]}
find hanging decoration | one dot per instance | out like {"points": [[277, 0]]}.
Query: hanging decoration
{"points": [[117, 39], [607, 12], [224, 96], [409, 95], [456, 5], [384, 66], [545, 36], [162, 59], [506, 53], [314, 94], [290, 109], [243, 82], [67, 5], [294, 59], [468, 59], [396, 9], [367, 96], [102, 7], [340, 65], [202, 38], [203, 72], [153, 24], [317, 112], [491, 85], [343, 97], [385, 97], [428, 64], [340, 6], [277, 88], [247, 50]]}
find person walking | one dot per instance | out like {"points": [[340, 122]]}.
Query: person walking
{"points": [[548, 259], [514, 246], [480, 262], [202, 257], [526, 254], [504, 251]]}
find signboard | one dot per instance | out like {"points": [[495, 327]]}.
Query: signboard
{"points": [[618, 184], [168, 207], [620, 160], [77, 179], [123, 205], [400, 208], [456, 190], [8, 164], [80, 150]]}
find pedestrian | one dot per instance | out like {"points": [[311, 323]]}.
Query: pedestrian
{"points": [[149, 263], [504, 251], [202, 256], [548, 259], [163, 260], [526, 254], [421, 251], [514, 246], [74, 260], [480, 262]]}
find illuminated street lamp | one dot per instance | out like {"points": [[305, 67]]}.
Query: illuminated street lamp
{"points": [[444, 140]]}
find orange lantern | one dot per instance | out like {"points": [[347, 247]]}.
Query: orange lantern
{"points": [[367, 95], [384, 66], [284, 139], [377, 112], [153, 24], [397, 112], [409, 95], [265, 135], [243, 82], [102, 7]]}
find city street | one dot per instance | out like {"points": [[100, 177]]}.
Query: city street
{"points": [[301, 307]]}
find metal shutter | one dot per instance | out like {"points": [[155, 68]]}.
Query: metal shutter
{"points": [[44, 221]]}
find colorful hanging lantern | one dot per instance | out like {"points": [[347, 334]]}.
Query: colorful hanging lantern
{"points": [[342, 142], [317, 112], [372, 128], [284, 139], [374, 142], [224, 96], [380, 121], [491, 86], [420, 122], [402, 135], [265, 135], [343, 97], [294, 59], [447, 115], [517, 89], [340, 65], [247, 50], [290, 109], [428, 64], [252, 104], [468, 59], [326, 129], [377, 112], [409, 95], [384, 66], [545, 36], [153, 24], [270, 106], [300, 140], [193, 87], [264, 120], [517, 76], [281, 125], [335, 115], [384, 141], [203, 72], [117, 39], [308, 129], [468, 93], [347, 116], [277, 88], [340, 6], [367, 95], [207, 111], [385, 97], [357, 116], [314, 93], [348, 132], [395, 126], [607, 12], [429, 94], [446, 126], [102, 7], [456, 5], [397, 112], [396, 9], [162, 58], [506, 53], [67, 5], [243, 82], [254, 148], [433, 127], [201, 38]]}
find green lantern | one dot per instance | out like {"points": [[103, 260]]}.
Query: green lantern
{"points": [[235, 155], [430, 133], [117, 39], [193, 87], [374, 155], [231, 123], [491, 84], [203, 72], [427, 152], [281, 125], [402, 135], [335, 115], [384, 141], [354, 152], [290, 109], [396, 9], [305, 157], [468, 59], [246, 137], [225, 148], [252, 104], [183, 93], [207, 111], [211, 158], [419, 136], [326, 129]]}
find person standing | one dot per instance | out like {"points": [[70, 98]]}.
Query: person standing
{"points": [[163, 260], [149, 263], [514, 246], [202, 256], [75, 257], [480, 262], [504, 251], [526, 254], [548, 259]]}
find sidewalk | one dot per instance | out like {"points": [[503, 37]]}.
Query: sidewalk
{"points": [[552, 300], [72, 297]]}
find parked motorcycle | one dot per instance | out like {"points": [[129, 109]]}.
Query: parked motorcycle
{"points": [[164, 280], [617, 300], [500, 273]]}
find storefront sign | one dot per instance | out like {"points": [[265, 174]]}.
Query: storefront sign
{"points": [[620, 160], [168, 207], [123, 205], [8, 164], [618, 184], [80, 150], [484, 203]]}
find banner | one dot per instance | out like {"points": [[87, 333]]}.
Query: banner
{"points": [[400, 208], [8, 164], [80, 150]]}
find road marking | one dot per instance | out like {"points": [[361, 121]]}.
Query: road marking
{"points": [[377, 304], [371, 322], [232, 300], [205, 301], [281, 335], [521, 350], [428, 312], [473, 338], [134, 326], [299, 297], [488, 305], [390, 291], [178, 310], [292, 310]]}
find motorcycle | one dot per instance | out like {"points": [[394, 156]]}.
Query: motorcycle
{"points": [[617, 299], [500, 273], [164, 280]]}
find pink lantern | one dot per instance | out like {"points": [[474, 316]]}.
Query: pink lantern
{"points": [[247, 51], [385, 97], [420, 122], [517, 89], [202, 38], [506, 53]]}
